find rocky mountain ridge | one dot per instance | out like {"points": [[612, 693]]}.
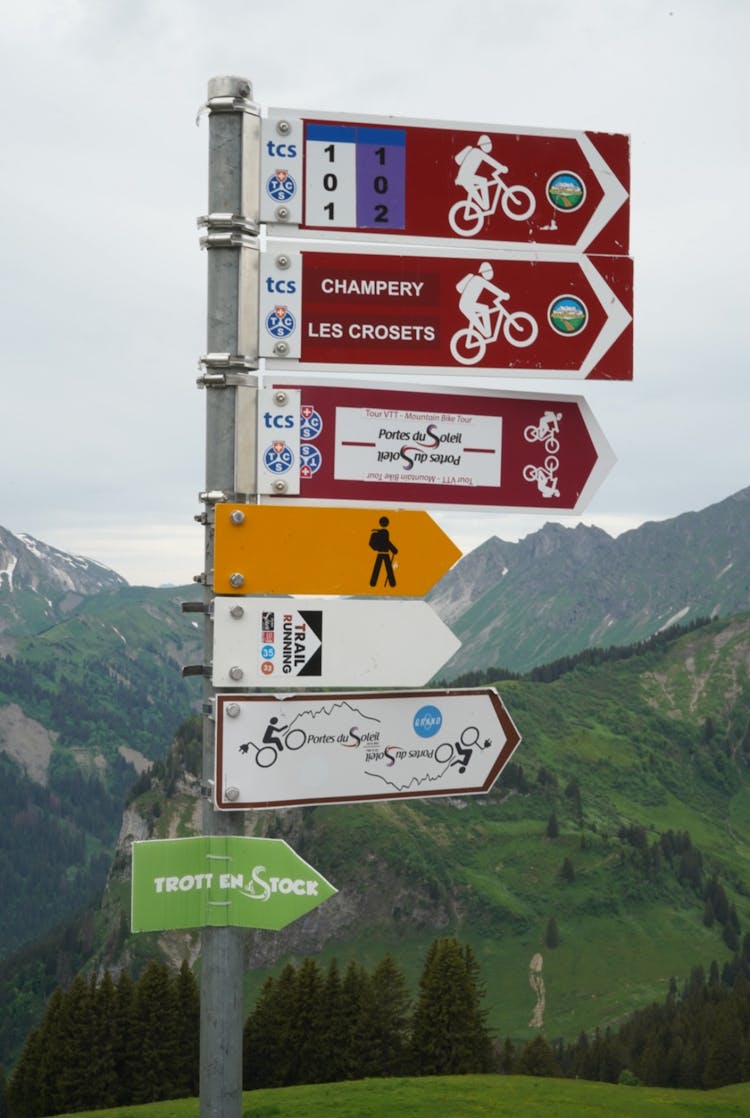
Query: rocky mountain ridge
{"points": [[561, 590], [40, 584]]}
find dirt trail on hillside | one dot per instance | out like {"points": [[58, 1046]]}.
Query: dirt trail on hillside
{"points": [[536, 982]]}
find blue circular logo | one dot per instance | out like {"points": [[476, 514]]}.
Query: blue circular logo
{"points": [[280, 322], [268, 652], [281, 186], [310, 460], [278, 458], [427, 721]]}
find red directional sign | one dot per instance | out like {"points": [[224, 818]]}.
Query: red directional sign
{"points": [[519, 314], [291, 750], [481, 449], [427, 180]]}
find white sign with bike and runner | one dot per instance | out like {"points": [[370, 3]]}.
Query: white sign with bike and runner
{"points": [[290, 750]]}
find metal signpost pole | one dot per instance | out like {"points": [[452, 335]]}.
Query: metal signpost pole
{"points": [[230, 231]]}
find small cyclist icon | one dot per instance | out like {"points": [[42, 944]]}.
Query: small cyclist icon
{"points": [[546, 431], [545, 476], [275, 739], [463, 749], [482, 304], [480, 175]]}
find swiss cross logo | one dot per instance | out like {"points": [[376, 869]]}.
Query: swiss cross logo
{"points": [[282, 175], [307, 410]]}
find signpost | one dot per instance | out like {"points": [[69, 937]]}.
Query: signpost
{"points": [[365, 444], [276, 550], [212, 881], [512, 261], [353, 748], [391, 177], [522, 313], [327, 642]]}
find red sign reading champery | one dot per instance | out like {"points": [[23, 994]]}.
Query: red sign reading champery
{"points": [[518, 314]]}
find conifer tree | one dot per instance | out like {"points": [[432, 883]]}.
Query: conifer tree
{"points": [[385, 1021], [187, 1033], [106, 1038], [537, 1058], [334, 1040], [267, 1056], [449, 1035], [155, 1012], [48, 1049], [125, 1038], [724, 1053], [354, 992], [307, 1025], [24, 1089], [551, 933]]}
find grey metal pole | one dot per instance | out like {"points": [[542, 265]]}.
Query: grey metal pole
{"points": [[230, 238]]}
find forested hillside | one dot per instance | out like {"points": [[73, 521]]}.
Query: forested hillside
{"points": [[604, 847]]}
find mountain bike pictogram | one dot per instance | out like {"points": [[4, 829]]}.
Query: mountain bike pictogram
{"points": [[482, 303], [480, 175]]}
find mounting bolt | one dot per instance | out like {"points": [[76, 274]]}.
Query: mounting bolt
{"points": [[236, 580], [231, 794], [232, 710], [281, 349], [235, 672], [237, 516], [282, 213], [280, 398], [237, 612], [283, 127], [279, 485], [283, 262]]}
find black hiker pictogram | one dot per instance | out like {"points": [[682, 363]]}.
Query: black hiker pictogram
{"points": [[380, 541]]}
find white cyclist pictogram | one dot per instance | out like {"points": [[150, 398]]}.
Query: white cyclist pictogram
{"points": [[480, 175], [481, 301], [546, 431], [545, 476]]}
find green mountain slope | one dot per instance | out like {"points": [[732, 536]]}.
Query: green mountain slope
{"points": [[561, 590], [626, 819], [85, 705]]}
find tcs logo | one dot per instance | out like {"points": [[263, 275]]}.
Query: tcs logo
{"points": [[280, 286], [277, 421], [281, 151]]}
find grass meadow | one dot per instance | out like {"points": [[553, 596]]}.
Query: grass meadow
{"points": [[469, 1096]]}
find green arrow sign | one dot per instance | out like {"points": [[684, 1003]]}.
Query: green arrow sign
{"points": [[216, 881]]}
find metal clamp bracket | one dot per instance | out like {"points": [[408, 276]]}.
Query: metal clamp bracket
{"points": [[196, 669]]}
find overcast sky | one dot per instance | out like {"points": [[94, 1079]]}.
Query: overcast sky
{"points": [[104, 173]]}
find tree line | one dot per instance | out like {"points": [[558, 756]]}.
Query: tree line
{"points": [[105, 1043]]}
